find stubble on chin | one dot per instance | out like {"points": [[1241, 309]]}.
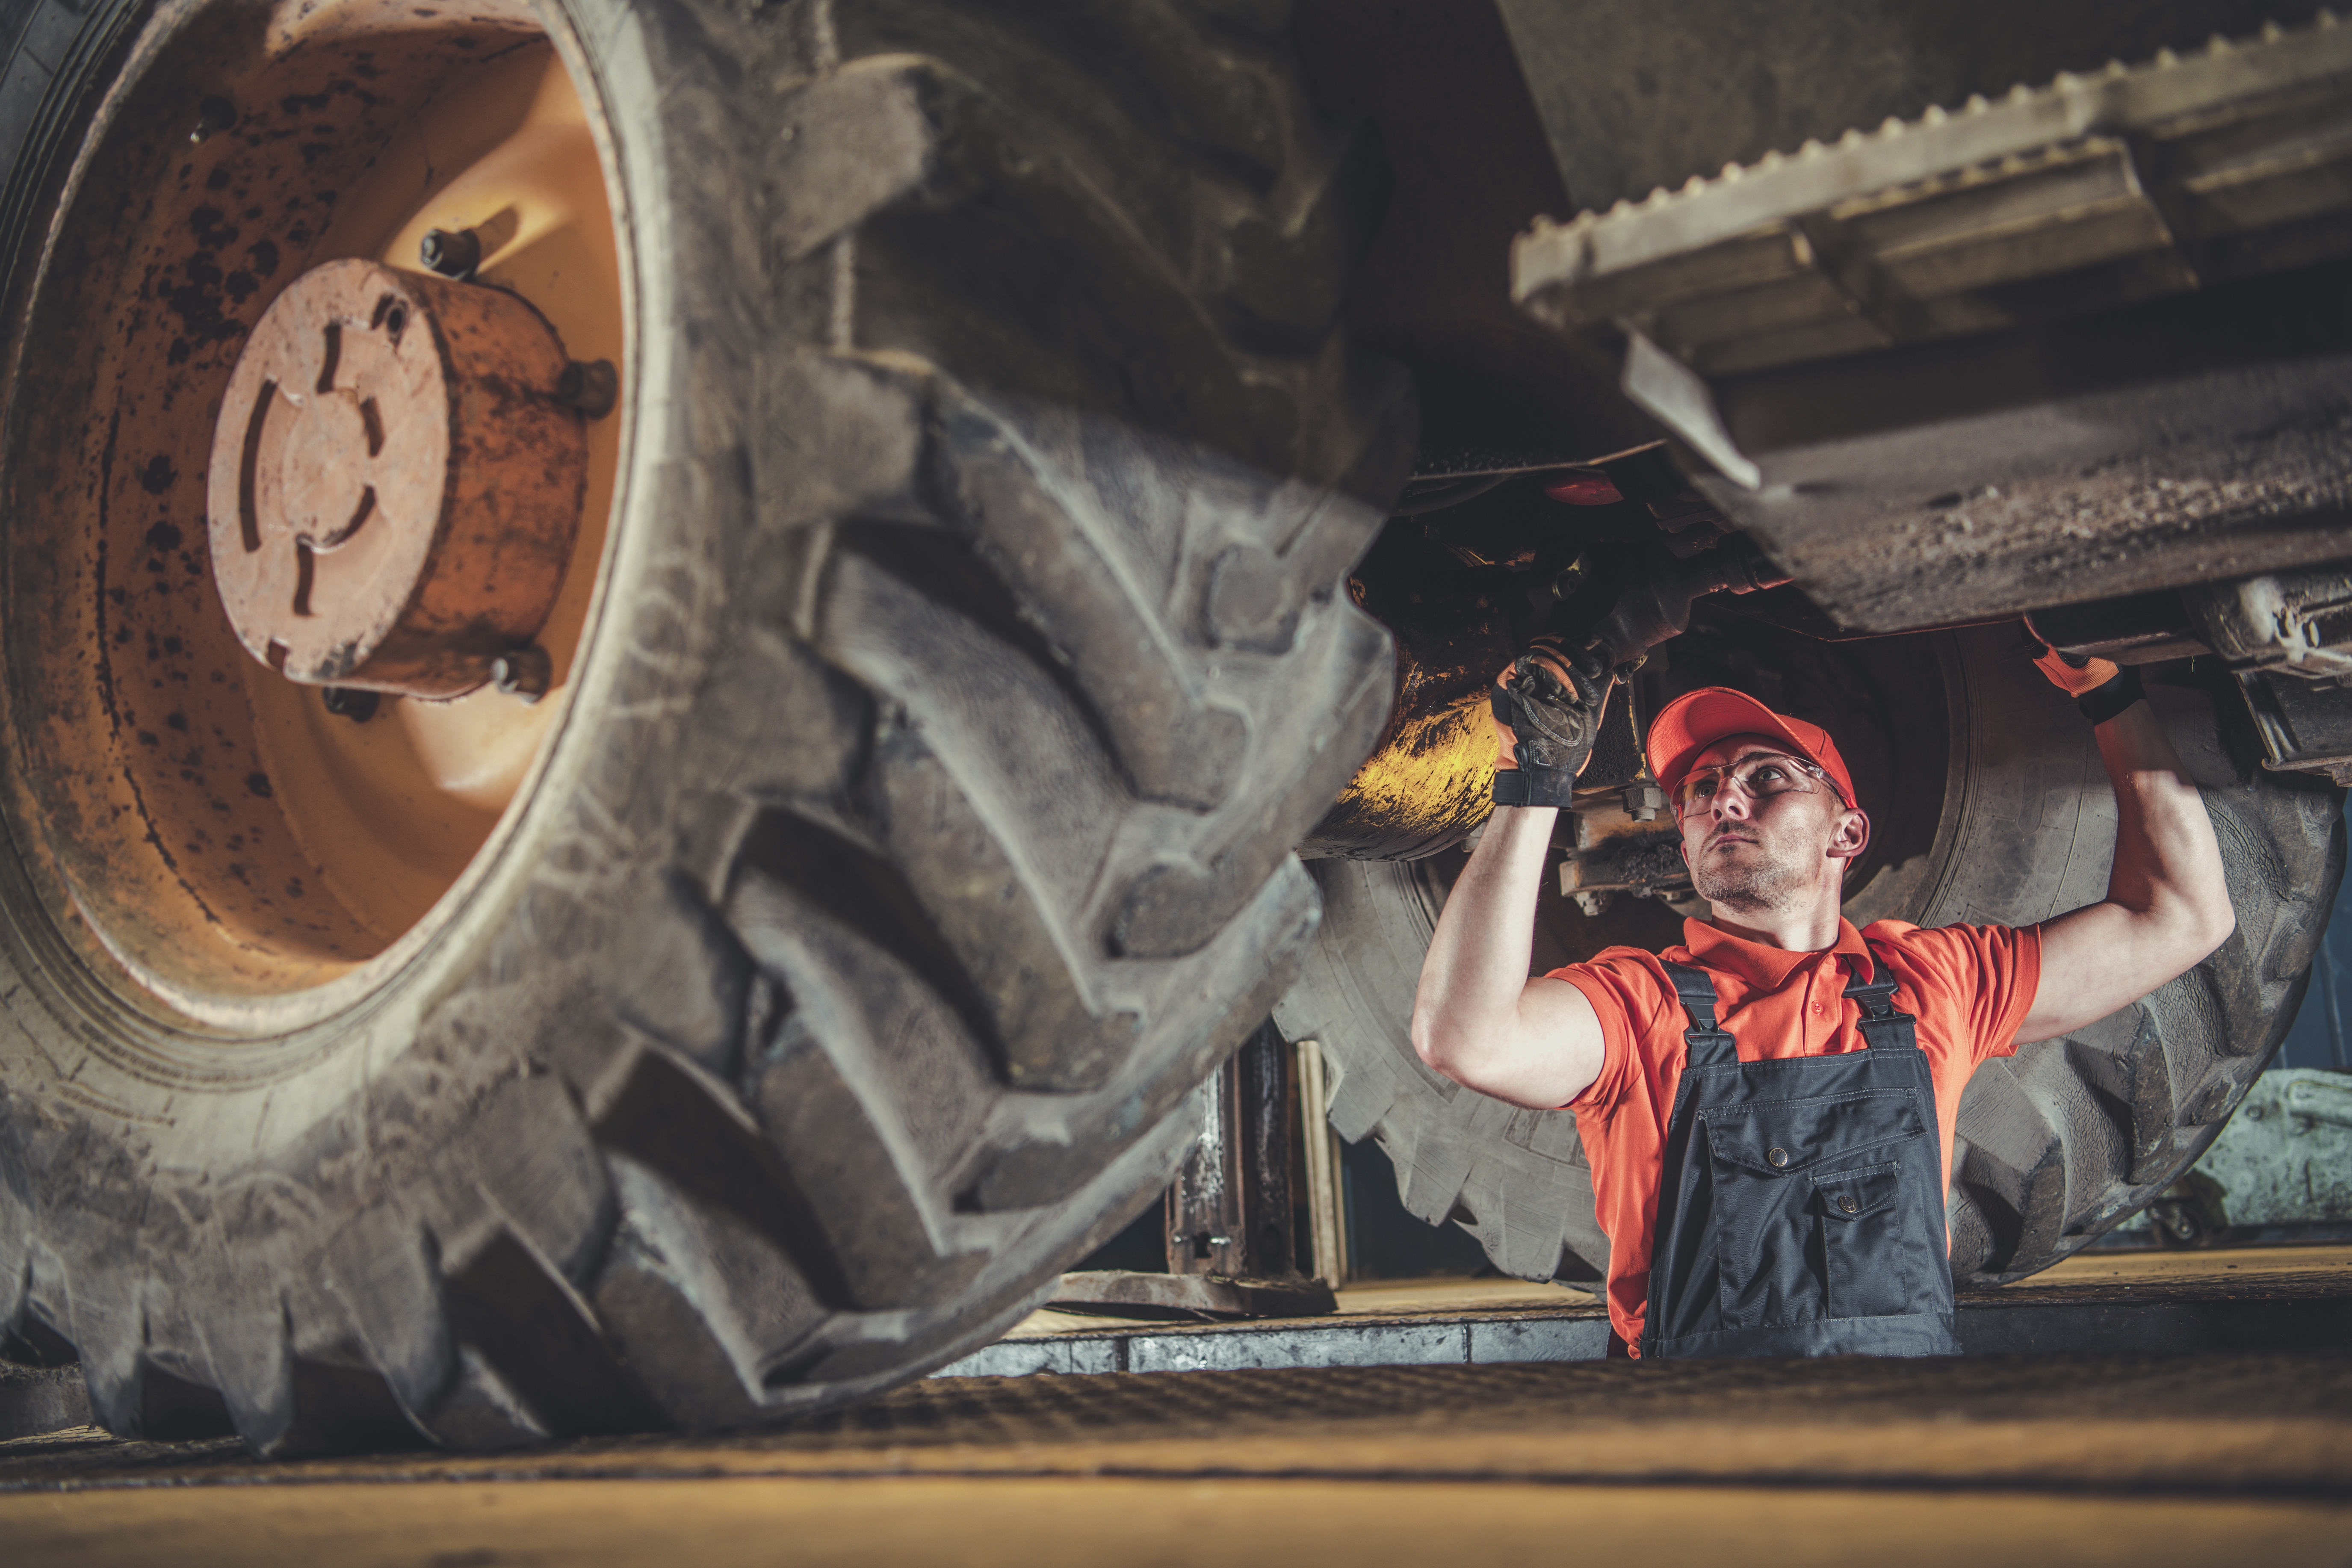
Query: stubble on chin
{"points": [[1751, 887]]}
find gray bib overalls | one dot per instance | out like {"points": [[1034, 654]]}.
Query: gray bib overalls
{"points": [[1801, 1203]]}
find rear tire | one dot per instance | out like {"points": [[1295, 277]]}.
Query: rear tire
{"points": [[2055, 1146], [971, 657]]}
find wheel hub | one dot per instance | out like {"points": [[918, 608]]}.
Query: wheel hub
{"points": [[395, 482]]}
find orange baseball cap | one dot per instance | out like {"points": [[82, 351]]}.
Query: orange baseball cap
{"points": [[1698, 719]]}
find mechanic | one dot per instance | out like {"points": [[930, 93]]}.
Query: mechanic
{"points": [[1769, 1108]]}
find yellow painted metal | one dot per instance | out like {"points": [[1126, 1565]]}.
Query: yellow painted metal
{"points": [[1431, 783]]}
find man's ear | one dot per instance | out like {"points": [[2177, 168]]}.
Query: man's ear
{"points": [[1851, 837]]}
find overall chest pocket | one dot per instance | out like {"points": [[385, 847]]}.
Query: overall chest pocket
{"points": [[1808, 1221]]}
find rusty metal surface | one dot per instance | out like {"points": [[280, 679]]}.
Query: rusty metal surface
{"points": [[394, 486], [2204, 1425], [185, 813], [2194, 439]]}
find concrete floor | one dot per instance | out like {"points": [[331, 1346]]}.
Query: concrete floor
{"points": [[2141, 1459]]}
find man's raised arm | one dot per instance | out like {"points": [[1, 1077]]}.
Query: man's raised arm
{"points": [[2167, 905], [1477, 1017]]}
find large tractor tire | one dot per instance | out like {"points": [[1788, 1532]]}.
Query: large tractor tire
{"points": [[2004, 817], [955, 653]]}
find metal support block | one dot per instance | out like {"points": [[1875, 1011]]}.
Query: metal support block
{"points": [[1230, 1210]]}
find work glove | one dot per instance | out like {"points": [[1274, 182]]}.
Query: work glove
{"points": [[2100, 688], [1546, 711]]}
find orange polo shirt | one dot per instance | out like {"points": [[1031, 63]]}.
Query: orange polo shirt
{"points": [[1969, 987]]}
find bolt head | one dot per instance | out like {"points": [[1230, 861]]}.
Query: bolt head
{"points": [[452, 253], [523, 672], [214, 115]]}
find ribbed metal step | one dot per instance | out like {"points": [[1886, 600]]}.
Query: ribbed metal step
{"points": [[2091, 192]]}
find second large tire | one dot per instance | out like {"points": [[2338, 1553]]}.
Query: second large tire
{"points": [[2055, 1146]]}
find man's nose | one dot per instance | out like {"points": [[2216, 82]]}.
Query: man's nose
{"points": [[1731, 801]]}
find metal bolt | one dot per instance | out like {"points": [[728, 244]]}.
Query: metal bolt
{"points": [[452, 253], [593, 386], [214, 115], [524, 673], [1644, 801], [350, 702]]}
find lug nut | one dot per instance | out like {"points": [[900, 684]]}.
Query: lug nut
{"points": [[523, 672], [214, 115], [452, 253], [350, 702], [592, 386]]}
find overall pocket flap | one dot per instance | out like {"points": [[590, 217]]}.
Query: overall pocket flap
{"points": [[1782, 1137], [1857, 1194]]}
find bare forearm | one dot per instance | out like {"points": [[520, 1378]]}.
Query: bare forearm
{"points": [[1478, 959], [1477, 1017], [2167, 865], [2167, 903]]}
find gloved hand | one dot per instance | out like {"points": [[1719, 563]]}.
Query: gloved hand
{"points": [[2074, 673], [2101, 688], [1547, 709]]}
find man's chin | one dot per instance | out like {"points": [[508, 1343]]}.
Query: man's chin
{"points": [[1745, 889]]}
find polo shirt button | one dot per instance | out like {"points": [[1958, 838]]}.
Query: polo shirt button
{"points": [[1776, 1157]]}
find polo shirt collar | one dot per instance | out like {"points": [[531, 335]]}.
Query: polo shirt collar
{"points": [[1768, 968]]}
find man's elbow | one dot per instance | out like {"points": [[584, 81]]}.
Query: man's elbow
{"points": [[1429, 1042], [2197, 932], [2219, 925], [1438, 1046]]}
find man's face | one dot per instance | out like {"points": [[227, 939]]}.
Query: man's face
{"points": [[1749, 851]]}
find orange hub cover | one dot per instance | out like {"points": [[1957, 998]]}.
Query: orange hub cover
{"points": [[395, 484]]}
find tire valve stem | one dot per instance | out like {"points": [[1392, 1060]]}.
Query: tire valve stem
{"points": [[214, 115], [350, 702], [523, 672], [593, 386], [452, 253]]}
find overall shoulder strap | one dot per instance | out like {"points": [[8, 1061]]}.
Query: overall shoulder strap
{"points": [[1882, 1025], [1705, 1041]]}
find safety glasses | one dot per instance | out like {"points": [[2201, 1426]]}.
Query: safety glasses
{"points": [[1758, 776]]}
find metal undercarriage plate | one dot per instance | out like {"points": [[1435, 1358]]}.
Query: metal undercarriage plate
{"points": [[2093, 191], [2088, 340]]}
